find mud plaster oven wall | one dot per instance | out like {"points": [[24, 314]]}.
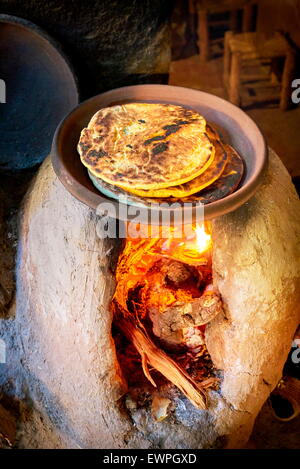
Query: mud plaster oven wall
{"points": [[61, 344]]}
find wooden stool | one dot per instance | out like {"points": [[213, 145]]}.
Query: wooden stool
{"points": [[248, 46], [205, 8]]}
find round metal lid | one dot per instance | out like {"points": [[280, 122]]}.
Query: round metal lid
{"points": [[40, 90]]}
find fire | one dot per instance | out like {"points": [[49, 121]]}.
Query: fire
{"points": [[203, 239], [193, 249], [153, 275]]}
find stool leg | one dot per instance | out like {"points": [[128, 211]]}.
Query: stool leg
{"points": [[274, 69], [226, 66], [287, 77], [247, 18], [203, 37], [234, 80]]}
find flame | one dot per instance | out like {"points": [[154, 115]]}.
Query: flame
{"points": [[134, 269], [203, 239], [140, 254], [194, 249]]}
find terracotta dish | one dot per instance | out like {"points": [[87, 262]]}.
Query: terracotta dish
{"points": [[232, 124]]}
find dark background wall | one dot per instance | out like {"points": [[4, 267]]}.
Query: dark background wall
{"points": [[280, 15], [110, 43]]}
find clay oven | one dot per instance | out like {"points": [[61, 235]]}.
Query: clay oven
{"points": [[72, 367]]}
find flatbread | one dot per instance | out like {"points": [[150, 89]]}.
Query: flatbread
{"points": [[146, 145], [224, 186], [200, 182]]}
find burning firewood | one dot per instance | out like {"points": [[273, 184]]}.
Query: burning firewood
{"points": [[159, 360], [171, 324], [178, 273], [160, 295]]}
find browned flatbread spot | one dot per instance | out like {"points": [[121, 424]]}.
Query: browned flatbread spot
{"points": [[198, 183]]}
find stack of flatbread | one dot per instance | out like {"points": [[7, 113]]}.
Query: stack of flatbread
{"points": [[151, 151]]}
